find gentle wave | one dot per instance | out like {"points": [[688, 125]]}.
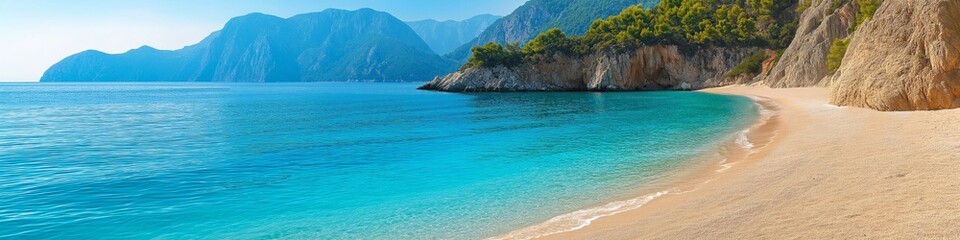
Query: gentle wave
{"points": [[743, 140], [766, 114], [582, 218]]}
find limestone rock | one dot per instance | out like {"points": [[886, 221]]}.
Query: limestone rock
{"points": [[647, 68], [906, 58], [560, 74], [804, 62]]}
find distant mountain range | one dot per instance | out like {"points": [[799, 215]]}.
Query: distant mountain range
{"points": [[572, 16], [444, 37], [333, 45]]}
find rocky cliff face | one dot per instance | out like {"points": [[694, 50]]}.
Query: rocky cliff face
{"points": [[804, 63], [647, 68], [906, 58]]}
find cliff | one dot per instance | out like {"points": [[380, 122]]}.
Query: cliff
{"points": [[333, 45], [646, 68], [906, 58], [804, 62]]}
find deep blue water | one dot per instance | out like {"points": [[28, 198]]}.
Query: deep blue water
{"points": [[330, 160]]}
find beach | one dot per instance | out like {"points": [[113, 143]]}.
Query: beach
{"points": [[820, 171]]}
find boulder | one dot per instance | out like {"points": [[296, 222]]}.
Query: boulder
{"points": [[906, 58]]}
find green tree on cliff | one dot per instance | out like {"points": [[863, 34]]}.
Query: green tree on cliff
{"points": [[867, 9], [687, 23], [835, 56], [549, 42], [492, 55]]}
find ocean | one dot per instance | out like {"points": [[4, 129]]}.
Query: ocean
{"points": [[332, 160]]}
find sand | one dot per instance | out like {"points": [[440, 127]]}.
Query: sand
{"points": [[827, 173]]}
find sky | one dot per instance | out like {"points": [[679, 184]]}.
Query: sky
{"points": [[35, 34]]}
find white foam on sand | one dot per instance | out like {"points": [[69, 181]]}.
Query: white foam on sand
{"points": [[576, 220], [724, 166], [743, 140]]}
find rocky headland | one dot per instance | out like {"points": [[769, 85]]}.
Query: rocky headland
{"points": [[646, 68], [905, 57]]}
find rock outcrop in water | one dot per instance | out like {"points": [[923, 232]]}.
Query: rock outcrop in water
{"points": [[804, 63], [906, 58], [646, 68]]}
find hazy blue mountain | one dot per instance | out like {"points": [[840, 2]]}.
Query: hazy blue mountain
{"points": [[333, 45], [526, 22], [444, 37]]}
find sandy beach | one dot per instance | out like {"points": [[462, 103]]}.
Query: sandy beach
{"points": [[827, 172]]}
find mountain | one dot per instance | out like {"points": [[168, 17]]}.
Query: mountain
{"points": [[333, 45], [444, 37], [572, 16]]}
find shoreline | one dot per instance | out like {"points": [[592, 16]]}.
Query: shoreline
{"points": [[733, 150], [829, 172], [826, 172]]}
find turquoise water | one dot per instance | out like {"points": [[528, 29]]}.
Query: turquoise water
{"points": [[330, 160]]}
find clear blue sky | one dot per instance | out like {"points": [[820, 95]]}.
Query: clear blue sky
{"points": [[35, 34]]}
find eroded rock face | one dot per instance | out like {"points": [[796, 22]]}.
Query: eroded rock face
{"points": [[906, 58], [804, 63], [561, 74], [647, 68]]}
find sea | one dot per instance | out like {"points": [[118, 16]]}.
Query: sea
{"points": [[334, 160]]}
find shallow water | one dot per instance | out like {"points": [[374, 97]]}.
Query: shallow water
{"points": [[331, 160]]}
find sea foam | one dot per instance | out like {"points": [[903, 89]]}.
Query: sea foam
{"points": [[579, 219]]}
